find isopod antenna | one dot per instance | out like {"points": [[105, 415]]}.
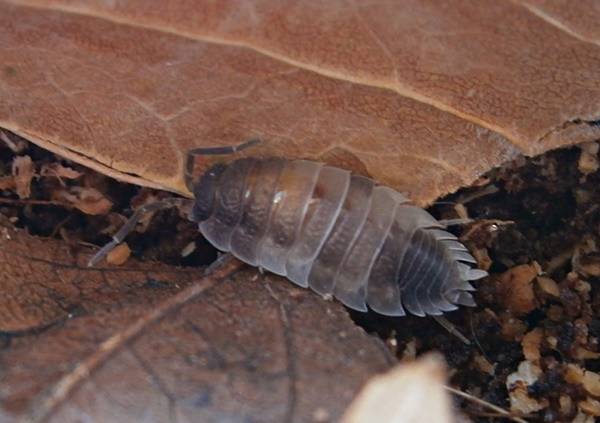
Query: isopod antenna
{"points": [[132, 221], [180, 203]]}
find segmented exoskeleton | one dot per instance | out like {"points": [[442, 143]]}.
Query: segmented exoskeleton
{"points": [[337, 233], [325, 228]]}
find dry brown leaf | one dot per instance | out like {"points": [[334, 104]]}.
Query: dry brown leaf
{"points": [[43, 283], [7, 183], [87, 199], [422, 96], [515, 288], [590, 406], [17, 145], [518, 385], [23, 171], [148, 343], [59, 171]]}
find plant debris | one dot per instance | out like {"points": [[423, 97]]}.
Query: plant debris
{"points": [[535, 228]]}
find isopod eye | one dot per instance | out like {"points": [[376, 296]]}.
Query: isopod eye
{"points": [[204, 193]]}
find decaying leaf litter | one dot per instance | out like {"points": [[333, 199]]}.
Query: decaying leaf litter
{"points": [[525, 83], [535, 326]]}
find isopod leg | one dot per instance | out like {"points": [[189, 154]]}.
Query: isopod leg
{"points": [[450, 222], [130, 225], [210, 151], [451, 328], [221, 259]]}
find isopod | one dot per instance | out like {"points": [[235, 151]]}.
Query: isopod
{"points": [[332, 231], [336, 233]]}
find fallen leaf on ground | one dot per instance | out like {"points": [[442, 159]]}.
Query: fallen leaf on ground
{"points": [[155, 343], [23, 171], [423, 97]]}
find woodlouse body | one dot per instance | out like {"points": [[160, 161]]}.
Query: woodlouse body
{"points": [[337, 233]]}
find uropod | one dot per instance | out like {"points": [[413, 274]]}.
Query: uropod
{"points": [[324, 228]]}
